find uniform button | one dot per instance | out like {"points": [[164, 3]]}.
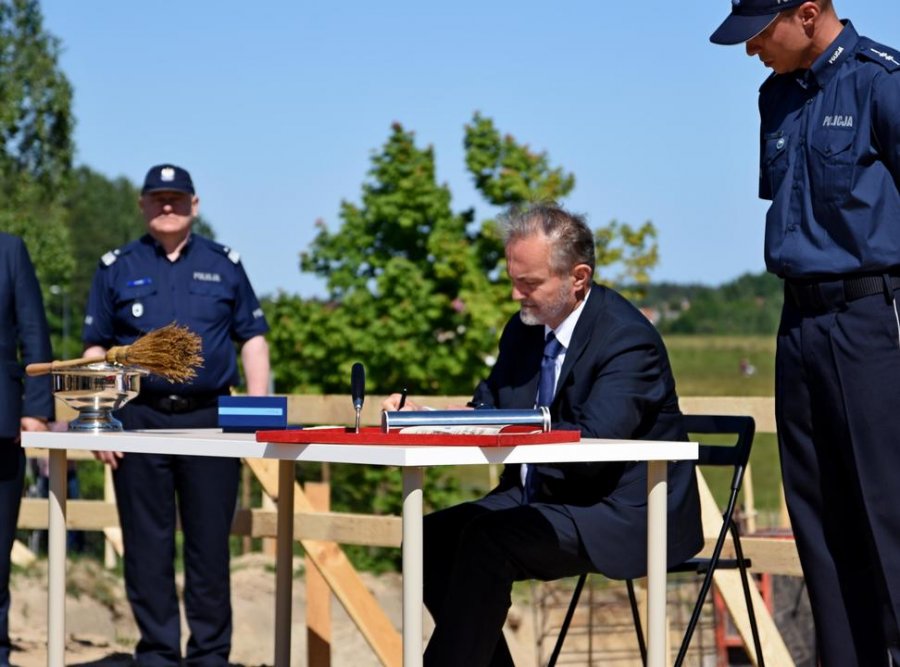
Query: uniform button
{"points": [[792, 228], [809, 101]]}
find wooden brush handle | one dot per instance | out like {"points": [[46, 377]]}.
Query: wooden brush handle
{"points": [[48, 366]]}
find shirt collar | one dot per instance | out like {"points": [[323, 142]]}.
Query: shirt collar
{"points": [[826, 65], [566, 328], [148, 239]]}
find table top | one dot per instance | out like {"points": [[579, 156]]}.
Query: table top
{"points": [[213, 442]]}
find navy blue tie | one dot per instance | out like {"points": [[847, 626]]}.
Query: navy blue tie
{"points": [[552, 348], [546, 388]]}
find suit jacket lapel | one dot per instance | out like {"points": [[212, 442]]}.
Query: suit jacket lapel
{"points": [[581, 336]]}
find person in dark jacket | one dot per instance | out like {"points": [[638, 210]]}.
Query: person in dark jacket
{"points": [[27, 402], [599, 365]]}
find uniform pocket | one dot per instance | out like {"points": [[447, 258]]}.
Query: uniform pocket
{"points": [[130, 303], [775, 161], [831, 164], [210, 301]]}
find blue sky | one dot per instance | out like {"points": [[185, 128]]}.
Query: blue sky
{"points": [[276, 107]]}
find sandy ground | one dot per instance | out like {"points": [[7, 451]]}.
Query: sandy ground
{"points": [[101, 631]]}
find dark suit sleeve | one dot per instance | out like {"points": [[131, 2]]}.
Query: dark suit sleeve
{"points": [[34, 334], [621, 388]]}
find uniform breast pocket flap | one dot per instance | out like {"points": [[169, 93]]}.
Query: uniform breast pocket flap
{"points": [[209, 288], [131, 293], [210, 301], [833, 145], [775, 146]]}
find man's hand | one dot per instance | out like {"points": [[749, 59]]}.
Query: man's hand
{"points": [[109, 458], [33, 424], [392, 404]]}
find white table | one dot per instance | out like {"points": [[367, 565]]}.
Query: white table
{"points": [[412, 459]]}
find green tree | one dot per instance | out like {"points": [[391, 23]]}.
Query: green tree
{"points": [[36, 120], [36, 145], [408, 293], [101, 214]]}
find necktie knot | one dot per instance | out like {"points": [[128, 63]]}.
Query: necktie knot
{"points": [[552, 347]]}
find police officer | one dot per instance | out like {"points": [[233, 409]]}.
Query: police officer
{"points": [[830, 164], [172, 275]]}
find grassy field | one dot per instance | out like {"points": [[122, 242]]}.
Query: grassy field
{"points": [[712, 366]]}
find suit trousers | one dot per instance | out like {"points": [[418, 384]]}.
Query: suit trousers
{"points": [[838, 416], [150, 488], [473, 553], [12, 479]]}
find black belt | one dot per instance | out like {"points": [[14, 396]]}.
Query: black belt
{"points": [[811, 294], [174, 404]]}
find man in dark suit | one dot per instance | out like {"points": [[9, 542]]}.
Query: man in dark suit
{"points": [[601, 367], [27, 405]]}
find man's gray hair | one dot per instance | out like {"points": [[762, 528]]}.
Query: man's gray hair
{"points": [[572, 241]]}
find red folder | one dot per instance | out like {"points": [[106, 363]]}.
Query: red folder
{"points": [[373, 435]]}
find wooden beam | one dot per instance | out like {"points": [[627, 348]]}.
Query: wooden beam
{"points": [[80, 514], [333, 565], [728, 582], [318, 594], [771, 555], [761, 408], [343, 528]]}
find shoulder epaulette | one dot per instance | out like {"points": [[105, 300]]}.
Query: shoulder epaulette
{"points": [[233, 255], [879, 53], [110, 257]]}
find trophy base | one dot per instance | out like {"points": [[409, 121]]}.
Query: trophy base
{"points": [[95, 421]]}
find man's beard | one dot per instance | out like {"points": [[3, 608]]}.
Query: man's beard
{"points": [[551, 312]]}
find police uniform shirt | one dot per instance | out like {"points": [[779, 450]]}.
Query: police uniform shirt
{"points": [[137, 289], [830, 162]]}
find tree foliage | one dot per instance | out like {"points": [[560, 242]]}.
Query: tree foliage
{"points": [[35, 142], [749, 304], [35, 102]]}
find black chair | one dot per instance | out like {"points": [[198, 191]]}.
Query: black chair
{"points": [[731, 454]]}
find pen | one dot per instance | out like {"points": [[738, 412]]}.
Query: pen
{"points": [[402, 398]]}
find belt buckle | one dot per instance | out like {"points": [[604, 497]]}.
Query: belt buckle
{"points": [[177, 404]]}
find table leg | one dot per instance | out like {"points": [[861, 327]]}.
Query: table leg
{"points": [[284, 565], [56, 561], [657, 489], [412, 566]]}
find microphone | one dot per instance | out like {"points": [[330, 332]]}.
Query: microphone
{"points": [[358, 389]]}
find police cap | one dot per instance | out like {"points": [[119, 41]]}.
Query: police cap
{"points": [[748, 18], [167, 177]]}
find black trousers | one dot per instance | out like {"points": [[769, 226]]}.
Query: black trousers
{"points": [[12, 479], [149, 491], [473, 553], [838, 415]]}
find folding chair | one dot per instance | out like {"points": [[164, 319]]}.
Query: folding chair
{"points": [[734, 455]]}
